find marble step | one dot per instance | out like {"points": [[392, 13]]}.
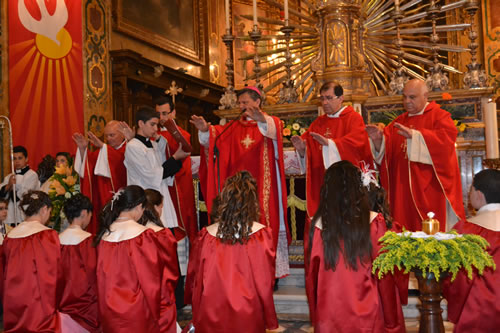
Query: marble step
{"points": [[291, 301]]}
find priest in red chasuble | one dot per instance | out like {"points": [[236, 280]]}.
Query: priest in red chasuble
{"points": [[102, 171], [253, 142], [418, 163], [182, 190], [337, 135]]}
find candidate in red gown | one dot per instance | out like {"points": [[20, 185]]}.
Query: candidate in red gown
{"points": [[473, 305], [233, 287], [345, 300], [167, 246], [78, 284], [102, 171], [32, 260], [421, 173]]}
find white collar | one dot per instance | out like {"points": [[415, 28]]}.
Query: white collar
{"points": [[420, 113], [336, 114], [489, 208]]}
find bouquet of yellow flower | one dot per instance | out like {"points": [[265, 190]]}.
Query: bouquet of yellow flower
{"points": [[64, 184]]}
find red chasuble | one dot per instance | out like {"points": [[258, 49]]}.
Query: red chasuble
{"points": [[233, 284], [474, 305], [129, 277], [243, 147], [30, 278], [78, 285], [414, 189], [352, 301], [100, 189], [167, 246], [182, 192], [349, 134]]}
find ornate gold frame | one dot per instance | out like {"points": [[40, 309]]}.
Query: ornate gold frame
{"points": [[196, 54]]}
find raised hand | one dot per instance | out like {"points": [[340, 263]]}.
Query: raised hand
{"points": [[299, 145], [127, 132], [376, 134], [80, 141], [200, 123], [254, 113], [320, 139], [95, 140], [403, 130]]}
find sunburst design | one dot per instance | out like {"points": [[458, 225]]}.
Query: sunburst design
{"points": [[46, 88], [374, 27]]}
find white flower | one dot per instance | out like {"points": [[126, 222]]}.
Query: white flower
{"points": [[296, 126], [67, 195]]}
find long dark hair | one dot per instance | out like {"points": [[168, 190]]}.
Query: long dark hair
{"points": [[153, 198], [236, 208], [344, 211], [378, 203], [126, 199]]}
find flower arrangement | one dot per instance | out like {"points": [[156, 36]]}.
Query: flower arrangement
{"points": [[433, 254], [295, 126], [64, 184]]}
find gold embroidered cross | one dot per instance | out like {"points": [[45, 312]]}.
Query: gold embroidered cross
{"points": [[327, 133], [403, 148], [247, 142]]}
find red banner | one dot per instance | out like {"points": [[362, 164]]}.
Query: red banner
{"points": [[45, 75]]}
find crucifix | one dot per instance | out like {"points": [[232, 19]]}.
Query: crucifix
{"points": [[173, 90]]}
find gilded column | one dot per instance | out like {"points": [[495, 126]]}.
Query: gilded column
{"points": [[97, 65]]}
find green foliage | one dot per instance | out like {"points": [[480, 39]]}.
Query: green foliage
{"points": [[295, 126], [431, 255]]}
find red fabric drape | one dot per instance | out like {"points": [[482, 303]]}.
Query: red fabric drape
{"points": [[45, 75]]}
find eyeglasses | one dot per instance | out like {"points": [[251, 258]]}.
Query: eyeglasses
{"points": [[328, 98]]}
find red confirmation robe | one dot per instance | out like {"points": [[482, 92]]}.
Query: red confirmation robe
{"points": [[352, 301], [129, 277], [102, 173], [30, 277], [182, 192], [77, 284], [243, 147], [473, 305], [416, 188], [233, 284], [167, 246], [348, 133]]}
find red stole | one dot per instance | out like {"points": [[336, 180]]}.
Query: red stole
{"points": [[349, 134], [100, 189], [182, 192], [243, 147], [414, 189]]}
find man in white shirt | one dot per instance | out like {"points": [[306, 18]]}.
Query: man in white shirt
{"points": [[24, 180]]}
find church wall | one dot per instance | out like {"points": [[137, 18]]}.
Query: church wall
{"points": [[4, 91], [491, 38]]}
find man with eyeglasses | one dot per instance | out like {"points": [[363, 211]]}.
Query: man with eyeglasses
{"points": [[337, 135]]}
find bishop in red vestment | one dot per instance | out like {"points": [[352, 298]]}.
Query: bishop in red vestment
{"points": [[254, 143], [102, 171], [337, 135], [182, 190], [473, 305], [31, 266], [418, 163]]}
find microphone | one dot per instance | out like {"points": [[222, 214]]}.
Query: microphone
{"points": [[216, 149]]}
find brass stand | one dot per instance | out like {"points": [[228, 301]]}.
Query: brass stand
{"points": [[228, 99]]}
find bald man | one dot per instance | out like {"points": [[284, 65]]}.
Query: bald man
{"points": [[102, 171], [418, 163]]}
